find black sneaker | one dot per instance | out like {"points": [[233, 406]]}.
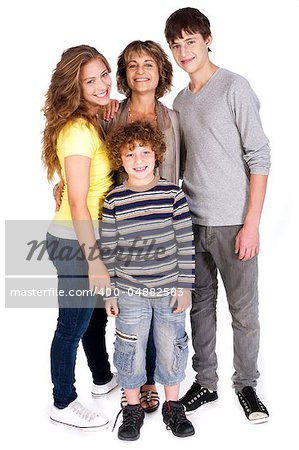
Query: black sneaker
{"points": [[197, 396], [175, 419], [254, 409], [133, 416]]}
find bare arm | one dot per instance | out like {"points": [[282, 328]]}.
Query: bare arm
{"points": [[77, 170], [247, 241]]}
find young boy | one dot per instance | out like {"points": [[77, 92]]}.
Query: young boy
{"points": [[225, 176], [147, 246]]}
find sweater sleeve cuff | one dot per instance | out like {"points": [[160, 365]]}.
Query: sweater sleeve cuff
{"points": [[259, 171]]}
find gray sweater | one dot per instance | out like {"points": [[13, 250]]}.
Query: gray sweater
{"points": [[225, 143]]}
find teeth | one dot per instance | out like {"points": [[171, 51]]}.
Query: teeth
{"points": [[141, 79], [102, 94], [140, 168]]}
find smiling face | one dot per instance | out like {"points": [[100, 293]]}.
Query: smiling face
{"points": [[191, 52], [96, 84], [139, 163], [142, 73]]}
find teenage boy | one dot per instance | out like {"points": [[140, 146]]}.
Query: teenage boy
{"points": [[147, 245], [226, 165]]}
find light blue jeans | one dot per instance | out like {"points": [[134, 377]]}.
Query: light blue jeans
{"points": [[132, 329]]}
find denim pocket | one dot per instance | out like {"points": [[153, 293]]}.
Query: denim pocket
{"points": [[180, 353], [124, 354]]}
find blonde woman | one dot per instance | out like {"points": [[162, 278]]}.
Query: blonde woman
{"points": [[73, 147]]}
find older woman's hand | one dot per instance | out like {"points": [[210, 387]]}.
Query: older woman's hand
{"points": [[109, 110]]}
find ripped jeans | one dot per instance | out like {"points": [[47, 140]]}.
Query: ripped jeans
{"points": [[132, 329]]}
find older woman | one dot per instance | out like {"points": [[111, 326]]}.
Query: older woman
{"points": [[144, 74]]}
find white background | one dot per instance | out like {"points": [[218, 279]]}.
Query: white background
{"points": [[257, 38]]}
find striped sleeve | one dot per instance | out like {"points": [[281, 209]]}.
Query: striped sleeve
{"points": [[184, 240], [109, 238]]}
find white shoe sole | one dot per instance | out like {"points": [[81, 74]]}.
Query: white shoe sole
{"points": [[258, 419], [189, 413], [96, 395], [91, 429]]}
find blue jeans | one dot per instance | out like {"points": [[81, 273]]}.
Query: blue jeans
{"points": [[81, 315], [132, 330], [214, 250]]}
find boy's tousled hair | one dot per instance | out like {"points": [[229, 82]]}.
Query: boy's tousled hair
{"points": [[190, 20], [126, 137]]}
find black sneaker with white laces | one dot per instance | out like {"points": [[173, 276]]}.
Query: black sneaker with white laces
{"points": [[196, 397], [133, 416], [254, 409], [175, 419]]}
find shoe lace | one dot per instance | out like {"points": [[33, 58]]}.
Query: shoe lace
{"points": [[176, 416], [83, 412], [131, 417], [118, 414]]}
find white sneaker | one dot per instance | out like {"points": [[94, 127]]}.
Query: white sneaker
{"points": [[75, 415], [98, 390]]}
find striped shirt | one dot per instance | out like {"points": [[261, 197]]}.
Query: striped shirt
{"points": [[147, 239]]}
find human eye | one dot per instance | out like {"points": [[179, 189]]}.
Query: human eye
{"points": [[129, 155], [105, 74], [191, 42], [131, 66], [90, 81], [174, 47]]}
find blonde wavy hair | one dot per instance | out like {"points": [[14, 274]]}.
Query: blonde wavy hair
{"points": [[64, 101]]}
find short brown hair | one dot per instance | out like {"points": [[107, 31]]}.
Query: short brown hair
{"points": [[128, 135], [190, 20], [156, 52]]}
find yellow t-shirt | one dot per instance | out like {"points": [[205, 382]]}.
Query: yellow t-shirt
{"points": [[78, 137]]}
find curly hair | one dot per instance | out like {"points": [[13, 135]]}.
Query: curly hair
{"points": [[64, 100], [156, 52], [126, 137]]}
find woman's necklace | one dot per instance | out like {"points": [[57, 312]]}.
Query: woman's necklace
{"points": [[135, 115]]}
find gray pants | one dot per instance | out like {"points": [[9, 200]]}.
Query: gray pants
{"points": [[215, 249]]}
